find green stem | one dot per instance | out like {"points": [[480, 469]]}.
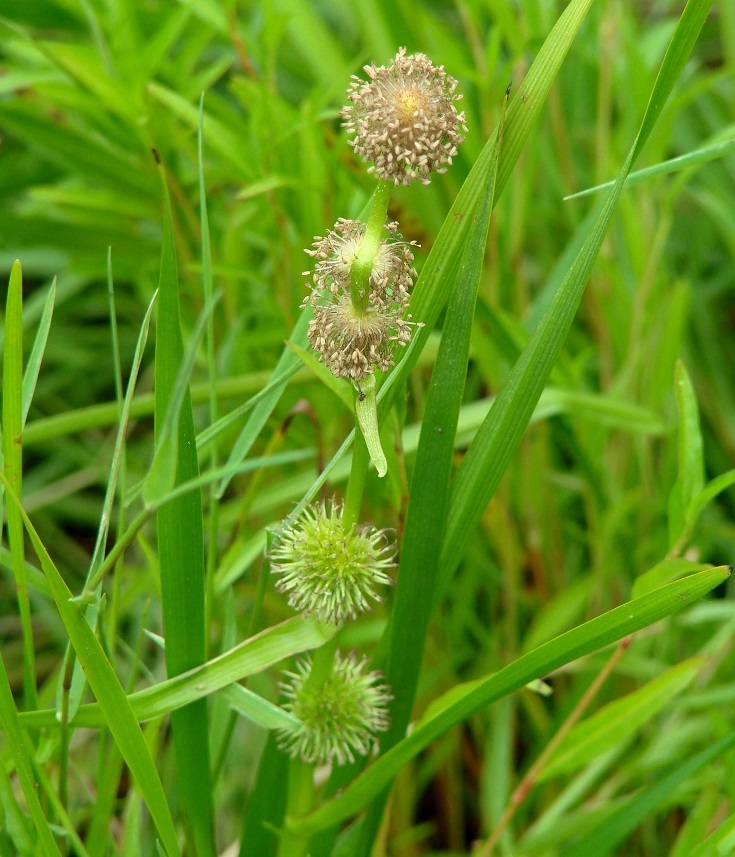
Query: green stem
{"points": [[356, 483], [301, 791], [362, 266]]}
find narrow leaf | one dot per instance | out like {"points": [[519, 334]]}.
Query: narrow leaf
{"points": [[497, 440], [248, 658], [580, 641], [614, 722], [39, 346], [690, 453], [12, 449], [181, 552], [366, 411], [15, 745], [604, 838], [106, 687]]}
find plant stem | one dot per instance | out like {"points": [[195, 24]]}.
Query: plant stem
{"points": [[362, 266], [301, 791], [356, 483]]}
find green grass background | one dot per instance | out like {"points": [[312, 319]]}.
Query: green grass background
{"points": [[596, 495]]}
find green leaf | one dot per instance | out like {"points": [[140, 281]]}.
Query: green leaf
{"points": [[339, 386], [366, 411], [12, 462], [287, 364], [30, 376], [616, 827], [665, 572], [613, 723], [248, 658], [580, 641], [162, 474], [259, 710], [78, 681], [429, 493], [497, 440], [181, 553], [15, 745], [699, 503], [105, 685], [701, 155], [721, 843], [690, 478]]}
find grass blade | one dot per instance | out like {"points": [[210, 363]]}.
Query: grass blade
{"points": [[616, 827], [426, 517], [248, 658], [580, 641], [497, 440], [15, 744], [181, 554], [30, 376], [690, 478], [106, 687], [12, 447], [615, 721]]}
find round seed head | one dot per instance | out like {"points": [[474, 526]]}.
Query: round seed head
{"points": [[340, 718], [349, 341], [404, 120], [328, 569]]}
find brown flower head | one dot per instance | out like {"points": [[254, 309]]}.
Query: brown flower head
{"points": [[352, 341], [404, 119]]}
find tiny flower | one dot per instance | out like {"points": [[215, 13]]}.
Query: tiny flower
{"points": [[329, 569], [404, 119], [339, 718], [352, 340]]}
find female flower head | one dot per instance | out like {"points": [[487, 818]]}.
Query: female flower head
{"points": [[328, 569], [404, 119], [339, 718], [351, 339]]}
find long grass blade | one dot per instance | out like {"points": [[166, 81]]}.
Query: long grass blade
{"points": [[580, 641], [12, 446], [248, 658], [106, 687], [604, 838], [496, 441], [181, 556], [429, 497], [16, 745], [33, 367]]}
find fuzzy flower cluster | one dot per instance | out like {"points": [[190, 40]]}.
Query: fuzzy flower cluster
{"points": [[404, 119], [353, 339], [328, 569], [340, 718]]}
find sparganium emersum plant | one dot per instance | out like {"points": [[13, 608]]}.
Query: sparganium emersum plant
{"points": [[550, 496], [404, 123]]}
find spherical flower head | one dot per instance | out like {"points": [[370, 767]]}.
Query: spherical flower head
{"points": [[328, 569], [392, 273], [404, 119], [340, 718], [352, 341]]}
